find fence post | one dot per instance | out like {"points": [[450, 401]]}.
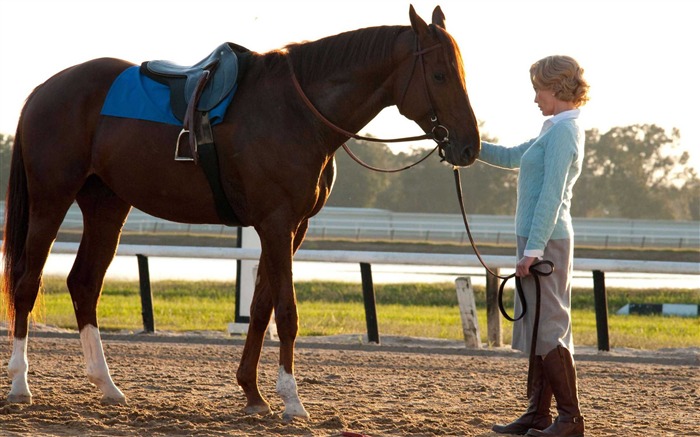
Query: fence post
{"points": [[146, 295], [601, 310], [467, 311], [370, 303], [493, 315]]}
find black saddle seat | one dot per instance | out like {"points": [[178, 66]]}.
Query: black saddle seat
{"points": [[224, 68]]}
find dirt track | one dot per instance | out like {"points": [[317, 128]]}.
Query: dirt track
{"points": [[179, 386]]}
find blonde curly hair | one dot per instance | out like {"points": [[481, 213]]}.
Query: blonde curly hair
{"points": [[562, 75]]}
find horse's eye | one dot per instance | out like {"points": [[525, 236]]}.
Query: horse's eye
{"points": [[439, 77]]}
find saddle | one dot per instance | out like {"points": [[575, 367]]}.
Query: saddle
{"points": [[194, 91], [221, 67]]}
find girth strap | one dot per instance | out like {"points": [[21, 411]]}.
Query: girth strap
{"points": [[209, 161], [202, 151]]}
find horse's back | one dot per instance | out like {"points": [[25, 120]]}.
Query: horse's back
{"points": [[59, 122], [71, 97]]}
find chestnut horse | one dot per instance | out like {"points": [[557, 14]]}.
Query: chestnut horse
{"points": [[276, 159]]}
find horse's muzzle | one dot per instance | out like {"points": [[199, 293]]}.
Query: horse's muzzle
{"points": [[461, 155]]}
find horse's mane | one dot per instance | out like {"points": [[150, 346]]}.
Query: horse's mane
{"points": [[317, 59]]}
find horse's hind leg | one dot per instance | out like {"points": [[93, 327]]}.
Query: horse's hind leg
{"points": [[104, 215], [43, 224]]}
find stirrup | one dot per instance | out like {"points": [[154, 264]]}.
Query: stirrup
{"points": [[180, 155]]}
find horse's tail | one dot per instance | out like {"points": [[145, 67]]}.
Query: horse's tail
{"points": [[16, 227]]}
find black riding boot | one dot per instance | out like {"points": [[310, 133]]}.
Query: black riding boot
{"points": [[560, 371], [537, 415]]}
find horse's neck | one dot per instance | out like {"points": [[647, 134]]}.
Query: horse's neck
{"points": [[352, 97], [355, 97]]}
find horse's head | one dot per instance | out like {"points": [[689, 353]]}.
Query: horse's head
{"points": [[432, 90]]}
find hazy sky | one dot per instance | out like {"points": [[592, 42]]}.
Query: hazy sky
{"points": [[641, 57]]}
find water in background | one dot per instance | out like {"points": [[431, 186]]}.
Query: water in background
{"points": [[193, 269]]}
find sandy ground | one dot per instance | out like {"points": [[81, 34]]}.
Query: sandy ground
{"points": [[179, 385]]}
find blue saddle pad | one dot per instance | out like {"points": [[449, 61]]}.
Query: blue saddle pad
{"points": [[133, 95]]}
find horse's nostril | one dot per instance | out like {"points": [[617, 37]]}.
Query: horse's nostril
{"points": [[467, 155]]}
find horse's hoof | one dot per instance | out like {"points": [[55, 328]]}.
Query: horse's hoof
{"points": [[290, 414], [19, 399], [112, 400], [262, 410]]}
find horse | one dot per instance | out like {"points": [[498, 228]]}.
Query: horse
{"points": [[277, 169]]}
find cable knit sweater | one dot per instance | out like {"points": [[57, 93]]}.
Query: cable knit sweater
{"points": [[549, 166]]}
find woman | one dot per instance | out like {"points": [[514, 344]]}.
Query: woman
{"points": [[549, 166]]}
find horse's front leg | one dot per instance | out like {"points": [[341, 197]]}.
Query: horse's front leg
{"points": [[274, 289], [287, 319], [247, 374]]}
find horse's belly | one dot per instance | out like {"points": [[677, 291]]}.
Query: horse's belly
{"points": [[135, 159]]}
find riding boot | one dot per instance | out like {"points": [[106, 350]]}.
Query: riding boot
{"points": [[537, 415], [560, 371]]}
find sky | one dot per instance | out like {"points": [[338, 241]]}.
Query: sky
{"points": [[640, 57]]}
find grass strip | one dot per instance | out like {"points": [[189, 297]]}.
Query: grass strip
{"points": [[332, 308]]}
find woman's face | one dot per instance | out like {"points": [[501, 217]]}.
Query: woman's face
{"points": [[546, 101]]}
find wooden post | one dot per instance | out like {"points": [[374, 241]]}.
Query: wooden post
{"points": [[149, 325], [493, 315], [370, 303], [467, 309], [601, 310]]}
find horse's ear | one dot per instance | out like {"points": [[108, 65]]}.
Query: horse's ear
{"points": [[419, 26], [439, 17]]}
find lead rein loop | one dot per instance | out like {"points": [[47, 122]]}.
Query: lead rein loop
{"points": [[536, 273]]}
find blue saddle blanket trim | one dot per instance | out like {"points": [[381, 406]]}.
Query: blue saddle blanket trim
{"points": [[134, 95]]}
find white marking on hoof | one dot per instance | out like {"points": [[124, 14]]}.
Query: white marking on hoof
{"points": [[287, 389], [17, 369], [96, 366]]}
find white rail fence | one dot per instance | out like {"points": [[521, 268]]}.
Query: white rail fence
{"points": [[598, 267], [362, 224]]}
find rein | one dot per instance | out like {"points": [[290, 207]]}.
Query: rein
{"points": [[384, 170], [439, 133], [341, 130]]}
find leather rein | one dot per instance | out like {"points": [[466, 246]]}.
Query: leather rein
{"points": [[536, 273], [439, 133]]}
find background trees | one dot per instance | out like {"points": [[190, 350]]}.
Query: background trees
{"points": [[630, 172], [636, 172]]}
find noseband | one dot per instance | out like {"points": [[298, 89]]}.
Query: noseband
{"points": [[439, 133]]}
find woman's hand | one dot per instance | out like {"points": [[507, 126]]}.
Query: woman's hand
{"points": [[522, 269]]}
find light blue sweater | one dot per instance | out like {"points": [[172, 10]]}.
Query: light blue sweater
{"points": [[549, 166]]}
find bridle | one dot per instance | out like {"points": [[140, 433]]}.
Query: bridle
{"points": [[439, 133]]}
